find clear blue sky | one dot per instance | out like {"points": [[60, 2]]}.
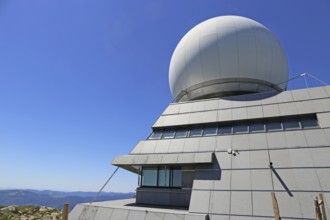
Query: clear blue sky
{"points": [[82, 81]]}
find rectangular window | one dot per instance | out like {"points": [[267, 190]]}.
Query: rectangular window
{"points": [[161, 177], [291, 125], [225, 130], [274, 126], [155, 135], [210, 131], [241, 129], [168, 134], [255, 128], [149, 176], [309, 123], [196, 132], [181, 134], [176, 177]]}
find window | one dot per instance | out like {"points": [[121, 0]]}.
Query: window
{"points": [[176, 177], [149, 177], [155, 135], [181, 133], [196, 132], [210, 131], [274, 126], [225, 130], [309, 123], [248, 126], [291, 125], [168, 134], [254, 128], [241, 129], [161, 177]]}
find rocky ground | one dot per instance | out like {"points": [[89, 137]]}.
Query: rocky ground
{"points": [[29, 213]]}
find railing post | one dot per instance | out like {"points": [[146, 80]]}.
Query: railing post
{"points": [[65, 211]]}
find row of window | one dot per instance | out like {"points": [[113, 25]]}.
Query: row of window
{"points": [[253, 127], [161, 177]]}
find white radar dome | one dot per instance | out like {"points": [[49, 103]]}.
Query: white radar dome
{"points": [[225, 56]]}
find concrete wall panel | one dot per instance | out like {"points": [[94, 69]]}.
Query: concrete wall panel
{"points": [[324, 119], [255, 112], [162, 146], [318, 92], [258, 141], [301, 94], [271, 110], [176, 145], [261, 180], [207, 144], [223, 143], [295, 139], [191, 145], [241, 203], [262, 204], [220, 202], [225, 115], [316, 138]]}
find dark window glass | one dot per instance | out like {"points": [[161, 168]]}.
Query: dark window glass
{"points": [[149, 177], [291, 125], [225, 130], [181, 134], [176, 178], [241, 129], [196, 132], [163, 177], [210, 131], [156, 135], [168, 134], [274, 126], [254, 128], [309, 123]]}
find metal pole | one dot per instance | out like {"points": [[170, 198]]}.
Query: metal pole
{"points": [[275, 207], [321, 203]]}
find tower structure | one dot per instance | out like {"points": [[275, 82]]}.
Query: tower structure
{"points": [[233, 136]]}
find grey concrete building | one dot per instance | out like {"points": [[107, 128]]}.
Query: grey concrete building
{"points": [[233, 136]]}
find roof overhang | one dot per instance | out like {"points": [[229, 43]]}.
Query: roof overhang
{"points": [[132, 162]]}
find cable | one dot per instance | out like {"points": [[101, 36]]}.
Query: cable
{"points": [[97, 195]]}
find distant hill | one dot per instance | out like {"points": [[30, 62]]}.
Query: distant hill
{"points": [[54, 199]]}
